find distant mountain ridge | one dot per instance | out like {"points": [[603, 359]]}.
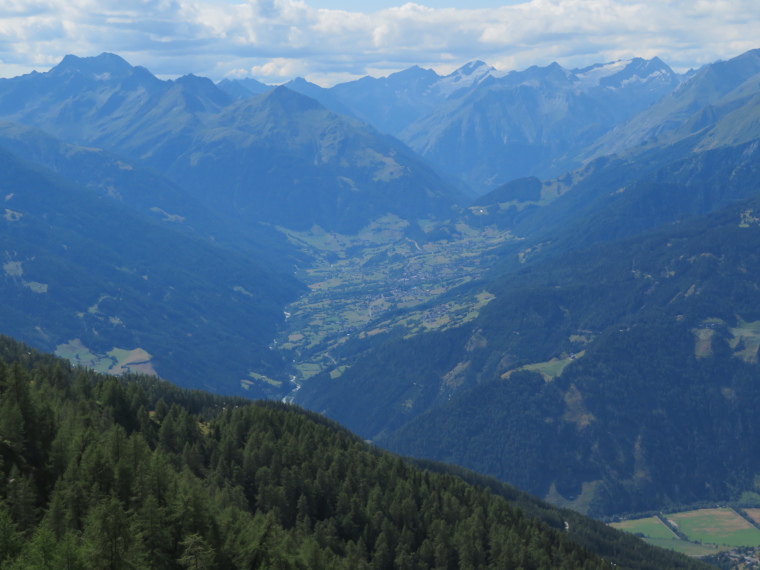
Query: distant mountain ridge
{"points": [[718, 105], [253, 169], [486, 126]]}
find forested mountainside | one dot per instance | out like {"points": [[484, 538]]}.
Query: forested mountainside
{"points": [[633, 361], [614, 198], [99, 472], [143, 190], [114, 285]]}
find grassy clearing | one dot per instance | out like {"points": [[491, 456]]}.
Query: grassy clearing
{"points": [[77, 353], [266, 379], [746, 340], [721, 526], [581, 503], [36, 287], [136, 360], [116, 361], [308, 370], [709, 530], [13, 269], [703, 344], [550, 369]]}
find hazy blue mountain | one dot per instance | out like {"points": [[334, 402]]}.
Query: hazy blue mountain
{"points": [[139, 188], [283, 158], [279, 157], [487, 127], [391, 103], [108, 284], [106, 102], [530, 122], [717, 105], [325, 96], [627, 87], [243, 88]]}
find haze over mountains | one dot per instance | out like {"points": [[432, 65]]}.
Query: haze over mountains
{"points": [[261, 151], [487, 127], [586, 328]]}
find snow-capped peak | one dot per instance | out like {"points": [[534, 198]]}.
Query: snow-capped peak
{"points": [[591, 76], [465, 77]]}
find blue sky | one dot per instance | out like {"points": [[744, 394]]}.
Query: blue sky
{"points": [[330, 41]]}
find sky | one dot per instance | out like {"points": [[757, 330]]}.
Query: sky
{"points": [[332, 41]]}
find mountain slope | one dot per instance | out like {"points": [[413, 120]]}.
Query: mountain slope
{"points": [[655, 330], [280, 157], [524, 123], [717, 106], [140, 189], [105, 102], [87, 275], [139, 473], [284, 159]]}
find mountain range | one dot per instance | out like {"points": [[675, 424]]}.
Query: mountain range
{"points": [[548, 276], [487, 127], [261, 151]]}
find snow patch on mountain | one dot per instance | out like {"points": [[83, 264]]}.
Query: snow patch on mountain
{"points": [[589, 77], [465, 77]]}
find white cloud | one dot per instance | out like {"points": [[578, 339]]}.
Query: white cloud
{"points": [[282, 38]]}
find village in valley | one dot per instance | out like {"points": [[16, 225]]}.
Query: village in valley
{"points": [[380, 279]]}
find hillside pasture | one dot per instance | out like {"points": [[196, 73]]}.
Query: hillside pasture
{"points": [[722, 526], [550, 369], [746, 340]]}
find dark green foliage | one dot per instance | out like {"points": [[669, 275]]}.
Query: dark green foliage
{"points": [[222, 483]]}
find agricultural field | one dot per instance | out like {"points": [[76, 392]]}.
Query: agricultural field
{"points": [[378, 280], [651, 527], [708, 530], [721, 526]]}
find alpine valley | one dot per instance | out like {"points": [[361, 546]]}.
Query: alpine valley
{"points": [[550, 277]]}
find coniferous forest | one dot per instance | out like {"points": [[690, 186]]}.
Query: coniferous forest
{"points": [[133, 472]]}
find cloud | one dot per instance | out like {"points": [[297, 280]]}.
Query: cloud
{"points": [[274, 40]]}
